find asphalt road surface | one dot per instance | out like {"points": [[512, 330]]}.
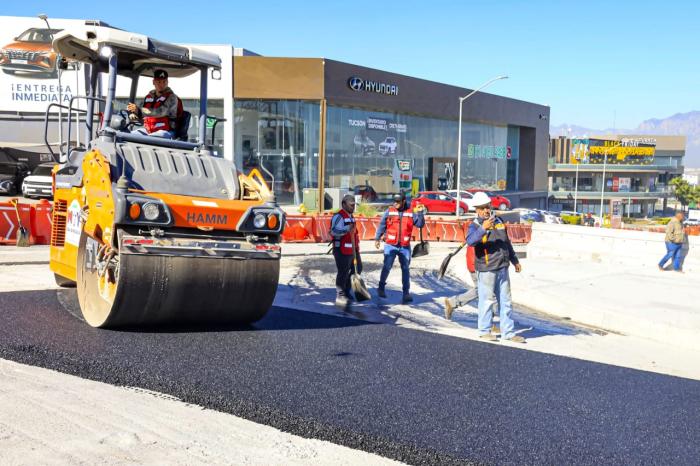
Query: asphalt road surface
{"points": [[414, 396]]}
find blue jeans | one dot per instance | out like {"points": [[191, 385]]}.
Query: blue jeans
{"points": [[673, 250], [390, 253], [161, 133], [494, 287]]}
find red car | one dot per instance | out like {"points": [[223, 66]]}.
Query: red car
{"points": [[438, 202], [497, 201]]}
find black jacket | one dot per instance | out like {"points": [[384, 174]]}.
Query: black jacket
{"points": [[492, 248]]}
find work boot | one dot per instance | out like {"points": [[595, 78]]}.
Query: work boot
{"points": [[495, 330], [342, 303], [449, 309], [489, 337], [516, 339], [407, 298], [380, 292]]}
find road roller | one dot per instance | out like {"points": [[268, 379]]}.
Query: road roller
{"points": [[154, 231]]}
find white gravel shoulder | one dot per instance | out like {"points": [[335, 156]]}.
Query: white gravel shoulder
{"points": [[47, 417]]}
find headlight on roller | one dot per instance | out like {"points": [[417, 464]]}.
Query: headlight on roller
{"points": [[259, 221], [151, 211]]}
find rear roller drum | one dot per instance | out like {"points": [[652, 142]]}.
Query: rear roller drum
{"points": [[137, 290]]}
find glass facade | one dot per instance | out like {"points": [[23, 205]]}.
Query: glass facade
{"points": [[281, 137], [370, 152]]}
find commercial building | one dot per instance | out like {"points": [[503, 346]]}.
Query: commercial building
{"points": [[632, 169], [315, 122]]}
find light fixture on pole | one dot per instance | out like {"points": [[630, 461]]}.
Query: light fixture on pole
{"points": [[459, 140], [45, 18]]}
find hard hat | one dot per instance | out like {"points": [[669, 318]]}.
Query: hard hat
{"points": [[400, 197], [480, 199]]}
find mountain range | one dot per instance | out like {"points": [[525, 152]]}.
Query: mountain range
{"points": [[685, 124]]}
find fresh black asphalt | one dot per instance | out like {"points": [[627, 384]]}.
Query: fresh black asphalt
{"points": [[414, 396]]}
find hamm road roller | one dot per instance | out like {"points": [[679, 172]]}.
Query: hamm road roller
{"points": [[155, 231]]}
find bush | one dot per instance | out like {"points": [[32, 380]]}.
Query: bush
{"points": [[662, 220], [571, 219], [366, 210]]}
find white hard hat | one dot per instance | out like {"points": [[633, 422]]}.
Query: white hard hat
{"points": [[480, 199]]}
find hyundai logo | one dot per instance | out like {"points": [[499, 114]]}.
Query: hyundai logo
{"points": [[355, 83]]}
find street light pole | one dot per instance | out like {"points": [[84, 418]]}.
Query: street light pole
{"points": [[459, 140], [576, 186], [45, 18], [602, 189]]}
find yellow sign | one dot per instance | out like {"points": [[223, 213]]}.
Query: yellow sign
{"points": [[501, 184]]}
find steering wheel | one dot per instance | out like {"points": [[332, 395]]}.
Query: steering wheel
{"points": [[129, 122]]}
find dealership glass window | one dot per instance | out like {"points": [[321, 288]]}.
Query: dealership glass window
{"points": [[378, 153], [282, 137], [215, 108]]}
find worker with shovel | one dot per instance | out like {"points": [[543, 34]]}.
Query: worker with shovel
{"points": [[396, 226], [346, 250]]}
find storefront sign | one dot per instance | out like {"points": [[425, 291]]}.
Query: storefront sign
{"points": [[359, 84], [402, 174], [478, 151], [376, 123]]}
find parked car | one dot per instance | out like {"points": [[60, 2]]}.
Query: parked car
{"points": [[529, 215], [31, 52], [364, 145], [464, 195], [497, 201], [388, 146], [11, 176], [549, 217], [438, 202], [39, 182]]}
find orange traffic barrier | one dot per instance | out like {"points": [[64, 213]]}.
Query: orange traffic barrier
{"points": [[9, 224], [41, 221], [322, 228], [299, 229]]}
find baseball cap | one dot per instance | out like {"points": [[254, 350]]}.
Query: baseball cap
{"points": [[160, 74]]}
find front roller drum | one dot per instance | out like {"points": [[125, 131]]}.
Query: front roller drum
{"points": [[150, 290]]}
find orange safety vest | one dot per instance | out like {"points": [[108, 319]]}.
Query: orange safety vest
{"points": [[399, 226], [345, 241], [158, 123]]}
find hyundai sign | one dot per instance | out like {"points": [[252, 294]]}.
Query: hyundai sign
{"points": [[358, 84]]}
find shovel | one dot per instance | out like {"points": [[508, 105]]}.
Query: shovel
{"points": [[356, 282], [447, 259], [22, 233], [422, 248]]}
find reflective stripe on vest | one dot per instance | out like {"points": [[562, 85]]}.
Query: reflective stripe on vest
{"points": [[399, 227], [156, 123], [345, 241]]}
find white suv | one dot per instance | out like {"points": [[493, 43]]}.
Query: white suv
{"points": [[38, 184], [388, 146]]}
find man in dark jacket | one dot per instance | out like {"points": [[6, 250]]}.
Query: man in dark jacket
{"points": [[493, 255]]}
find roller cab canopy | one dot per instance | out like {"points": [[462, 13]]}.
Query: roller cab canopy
{"points": [[136, 53]]}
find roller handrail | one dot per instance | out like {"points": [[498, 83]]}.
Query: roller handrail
{"points": [[70, 114]]}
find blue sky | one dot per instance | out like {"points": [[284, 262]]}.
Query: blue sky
{"points": [[594, 63]]}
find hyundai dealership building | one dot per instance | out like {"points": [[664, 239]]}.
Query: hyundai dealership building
{"points": [[315, 122]]}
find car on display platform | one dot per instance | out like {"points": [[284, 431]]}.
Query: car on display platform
{"points": [[11, 176], [31, 54], [39, 182], [438, 202], [497, 201], [388, 146]]}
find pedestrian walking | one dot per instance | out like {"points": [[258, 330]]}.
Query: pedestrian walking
{"points": [[396, 226], [493, 255], [346, 245], [675, 237]]}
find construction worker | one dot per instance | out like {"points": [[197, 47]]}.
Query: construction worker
{"points": [[160, 110], [396, 227], [493, 254], [346, 246]]}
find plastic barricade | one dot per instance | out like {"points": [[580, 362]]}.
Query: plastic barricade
{"points": [[41, 222], [322, 228], [9, 224], [448, 230], [367, 227], [299, 229]]}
